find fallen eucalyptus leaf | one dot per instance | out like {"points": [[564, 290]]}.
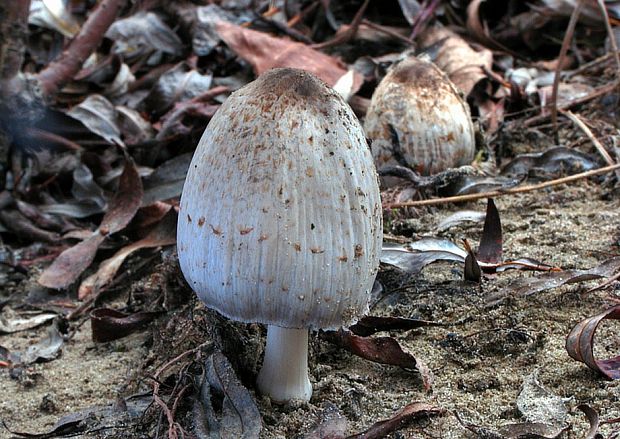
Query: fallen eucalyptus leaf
{"points": [[383, 350], [459, 218], [176, 85], [593, 419], [10, 321], [240, 417], [53, 14], [490, 248], [265, 52], [401, 419], [143, 32], [550, 162], [369, 325], [332, 425], [415, 256], [68, 266], [167, 180], [99, 116], [580, 344], [538, 405], [531, 285], [162, 234], [109, 324]]}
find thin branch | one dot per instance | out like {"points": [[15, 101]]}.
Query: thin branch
{"points": [[568, 37], [511, 191], [598, 92], [70, 61], [586, 130], [349, 31], [610, 34]]}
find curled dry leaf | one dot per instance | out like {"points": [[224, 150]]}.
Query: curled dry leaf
{"points": [[400, 420], [70, 264], [474, 184], [580, 344], [134, 127], [17, 223], [204, 35], [162, 234], [265, 52], [593, 419], [88, 197], [471, 268], [479, 30], [98, 115], [114, 417], [108, 324], [452, 54], [415, 256]]}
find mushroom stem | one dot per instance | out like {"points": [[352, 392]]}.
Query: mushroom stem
{"points": [[284, 375]]}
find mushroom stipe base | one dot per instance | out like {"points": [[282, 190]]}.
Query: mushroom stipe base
{"points": [[284, 375]]}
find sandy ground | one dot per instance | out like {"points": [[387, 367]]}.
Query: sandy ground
{"points": [[478, 366]]}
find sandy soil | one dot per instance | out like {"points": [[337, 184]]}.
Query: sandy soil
{"points": [[478, 366]]}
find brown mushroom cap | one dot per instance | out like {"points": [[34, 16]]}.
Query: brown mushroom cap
{"points": [[416, 109], [280, 219]]}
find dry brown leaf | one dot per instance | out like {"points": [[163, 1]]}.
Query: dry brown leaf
{"points": [[163, 234], [68, 266], [452, 54], [265, 52]]}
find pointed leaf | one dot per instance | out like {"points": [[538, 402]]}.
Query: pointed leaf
{"points": [[490, 249]]}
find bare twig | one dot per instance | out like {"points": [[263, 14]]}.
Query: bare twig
{"points": [[349, 32], [387, 31], [609, 281], [70, 61], [511, 191], [568, 37], [46, 136], [600, 91], [174, 428], [610, 34], [586, 130]]}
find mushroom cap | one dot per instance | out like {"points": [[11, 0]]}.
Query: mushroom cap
{"points": [[416, 108], [280, 218]]}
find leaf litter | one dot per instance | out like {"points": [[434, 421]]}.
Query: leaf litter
{"points": [[62, 182]]}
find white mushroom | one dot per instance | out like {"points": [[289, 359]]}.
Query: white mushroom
{"points": [[280, 219], [417, 116]]}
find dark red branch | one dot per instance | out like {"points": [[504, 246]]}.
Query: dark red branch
{"points": [[70, 61]]}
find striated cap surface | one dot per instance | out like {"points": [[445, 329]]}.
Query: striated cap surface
{"points": [[417, 110], [280, 219]]}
